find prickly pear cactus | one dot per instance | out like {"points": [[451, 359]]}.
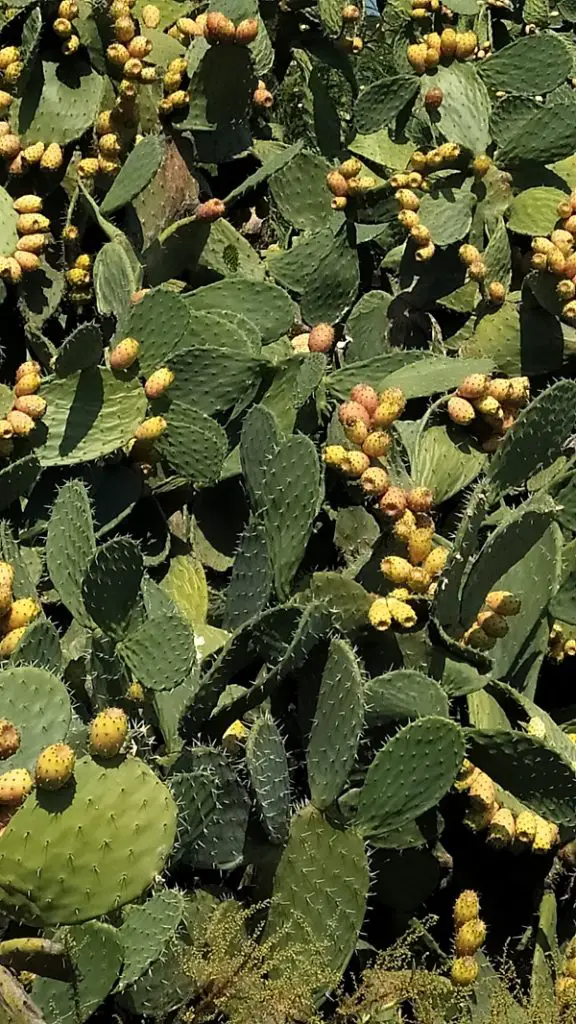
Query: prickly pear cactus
{"points": [[287, 512]]}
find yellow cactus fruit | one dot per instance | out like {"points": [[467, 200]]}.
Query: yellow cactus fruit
{"points": [[132, 68], [6, 101], [151, 16], [124, 28], [425, 253], [379, 614], [13, 72], [108, 166], [334, 454], [569, 312], [148, 74], [416, 54], [565, 290], [28, 204], [33, 405], [465, 775], [151, 429], [15, 786], [419, 545], [474, 387], [464, 971], [109, 144], [419, 499], [419, 580], [7, 574], [542, 245], [477, 639], [235, 736], [466, 908], [350, 168], [404, 526], [393, 503], [408, 200], [460, 411], [526, 826], [556, 262], [124, 354], [10, 642], [503, 602], [158, 383], [402, 613], [565, 991], [22, 613], [10, 269], [499, 388], [448, 43], [117, 54], [33, 154], [9, 146], [188, 27], [482, 791], [77, 277], [420, 235], [481, 164], [435, 562], [28, 260], [468, 254], [477, 271], [546, 837], [70, 46], [391, 405], [351, 412], [502, 829], [32, 223], [492, 623], [337, 183], [396, 569], [354, 464], [377, 444], [570, 967], [9, 739], [401, 594], [30, 382], [108, 732], [470, 937], [519, 390], [136, 692], [356, 432], [562, 240], [5, 596], [8, 55], [21, 424], [219, 28], [87, 167], [408, 219], [466, 43], [375, 481], [138, 48], [54, 766], [62, 27]]}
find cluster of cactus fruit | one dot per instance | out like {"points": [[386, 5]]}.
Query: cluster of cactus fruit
{"points": [[287, 512]]}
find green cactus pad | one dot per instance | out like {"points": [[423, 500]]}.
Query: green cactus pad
{"points": [[552, 134], [259, 440], [464, 114], [147, 930], [219, 377], [403, 694], [268, 767], [141, 166], [38, 704], [40, 646], [160, 651], [337, 725], [17, 478], [534, 773], [111, 585], [266, 305], [447, 214], [195, 793], [380, 104], [417, 376], [69, 876], [530, 66], [445, 460], [8, 218], [79, 351], [320, 888], [158, 322], [409, 775], [301, 194], [539, 435], [66, 103], [70, 546], [333, 287], [96, 952], [115, 279], [89, 415], [291, 495], [252, 580], [194, 444], [220, 843], [535, 211]]}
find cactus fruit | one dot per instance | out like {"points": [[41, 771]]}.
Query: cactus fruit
{"points": [[158, 383], [9, 739], [466, 908], [15, 786], [377, 444], [321, 338], [396, 569], [354, 464], [470, 937], [474, 387], [22, 612], [379, 614], [54, 766], [334, 454], [526, 827], [393, 503], [10, 641], [366, 396], [461, 411], [375, 481], [350, 412], [464, 971], [33, 406], [493, 624], [502, 829], [503, 603], [151, 429], [108, 732], [402, 613]]}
